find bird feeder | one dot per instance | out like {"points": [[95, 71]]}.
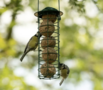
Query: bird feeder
{"points": [[48, 45]]}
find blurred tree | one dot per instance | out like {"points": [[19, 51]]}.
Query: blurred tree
{"points": [[80, 29]]}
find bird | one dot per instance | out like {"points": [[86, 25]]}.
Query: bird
{"points": [[64, 69], [32, 44]]}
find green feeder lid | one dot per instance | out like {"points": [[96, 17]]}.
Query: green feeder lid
{"points": [[48, 10]]}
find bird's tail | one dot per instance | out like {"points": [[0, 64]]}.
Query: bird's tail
{"points": [[61, 81], [21, 59]]}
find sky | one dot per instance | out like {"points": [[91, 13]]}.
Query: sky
{"points": [[27, 27]]}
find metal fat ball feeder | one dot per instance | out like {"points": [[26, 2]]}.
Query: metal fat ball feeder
{"points": [[48, 47]]}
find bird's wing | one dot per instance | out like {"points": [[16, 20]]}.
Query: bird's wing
{"points": [[27, 45]]}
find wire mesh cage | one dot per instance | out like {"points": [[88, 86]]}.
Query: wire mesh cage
{"points": [[48, 46]]}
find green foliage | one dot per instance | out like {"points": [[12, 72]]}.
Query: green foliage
{"points": [[2, 10], [77, 42], [9, 81], [78, 5]]}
